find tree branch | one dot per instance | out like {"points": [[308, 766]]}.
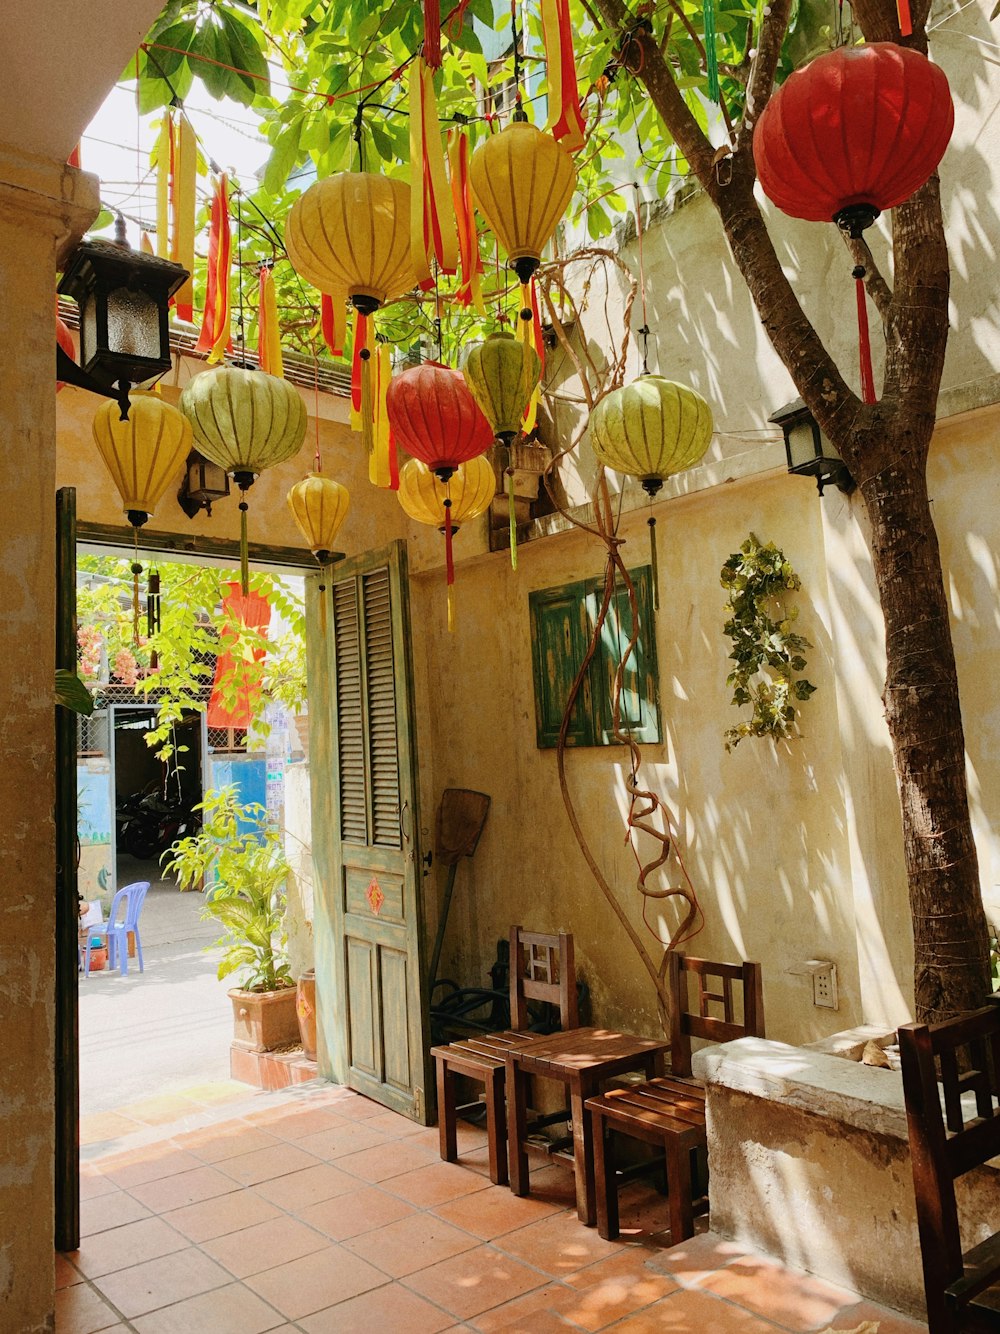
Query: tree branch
{"points": [[761, 82]]}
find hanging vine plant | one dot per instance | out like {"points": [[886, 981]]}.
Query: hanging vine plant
{"points": [[768, 654]]}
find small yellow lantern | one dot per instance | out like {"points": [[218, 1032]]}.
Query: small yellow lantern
{"points": [[245, 421], [502, 374], [651, 429], [522, 182], [351, 233], [319, 506], [447, 505]]}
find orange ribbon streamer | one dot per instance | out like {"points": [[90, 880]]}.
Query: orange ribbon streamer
{"points": [[566, 120], [215, 338], [469, 292], [432, 223], [333, 322]]}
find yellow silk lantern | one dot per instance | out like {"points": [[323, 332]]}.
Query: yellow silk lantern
{"points": [[245, 421], [446, 505], [651, 429], [142, 455], [319, 506], [351, 233], [502, 374], [522, 182]]}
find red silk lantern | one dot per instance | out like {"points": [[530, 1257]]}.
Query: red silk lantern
{"points": [[855, 132], [435, 418]]}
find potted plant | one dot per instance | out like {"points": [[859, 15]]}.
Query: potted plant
{"points": [[247, 898]]}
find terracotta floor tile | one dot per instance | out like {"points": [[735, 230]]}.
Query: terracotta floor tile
{"points": [[436, 1183], [346, 1138], [151, 1164], [275, 1242], [161, 1282], [410, 1244], [559, 1245], [386, 1160], [66, 1271], [474, 1282], [390, 1308], [492, 1212], [202, 1183], [300, 1189], [316, 1281], [797, 1301], [121, 1247], [614, 1288], [690, 1312], [80, 1310], [103, 1126], [158, 1111], [109, 1211], [398, 1127], [216, 1144], [230, 1310], [357, 1107], [308, 1121], [889, 1322], [539, 1309], [553, 1184], [696, 1258], [221, 1214], [265, 1164], [356, 1212], [94, 1184]]}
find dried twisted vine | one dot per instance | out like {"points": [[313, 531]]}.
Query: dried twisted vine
{"points": [[644, 803]]}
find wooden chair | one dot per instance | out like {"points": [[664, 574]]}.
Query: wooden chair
{"points": [[960, 1056], [541, 969], [669, 1112]]}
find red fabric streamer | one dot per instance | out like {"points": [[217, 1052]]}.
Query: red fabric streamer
{"points": [[432, 33], [360, 342], [469, 292], [449, 558], [536, 320], [393, 462], [329, 326], [566, 120], [74, 159], [238, 681], [905, 22], [215, 337], [864, 345]]}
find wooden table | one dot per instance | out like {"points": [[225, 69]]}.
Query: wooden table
{"points": [[582, 1059]]}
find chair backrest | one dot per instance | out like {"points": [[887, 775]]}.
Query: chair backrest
{"points": [[941, 1062], [122, 897], [698, 1022], [136, 898], [542, 968]]}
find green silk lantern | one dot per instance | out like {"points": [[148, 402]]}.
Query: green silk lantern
{"points": [[245, 421], [502, 374], [651, 429]]}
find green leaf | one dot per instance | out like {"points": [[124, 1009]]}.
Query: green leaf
{"points": [[72, 694]]}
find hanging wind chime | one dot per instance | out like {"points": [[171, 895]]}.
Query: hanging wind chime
{"points": [[143, 455], [855, 132], [446, 505], [651, 429]]}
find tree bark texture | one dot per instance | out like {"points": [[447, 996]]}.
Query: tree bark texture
{"points": [[885, 446]]}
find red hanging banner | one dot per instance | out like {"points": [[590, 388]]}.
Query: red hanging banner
{"points": [[238, 679]]}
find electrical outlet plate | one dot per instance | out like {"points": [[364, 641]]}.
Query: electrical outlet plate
{"points": [[825, 986]]}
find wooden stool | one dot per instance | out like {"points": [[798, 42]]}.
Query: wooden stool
{"points": [[665, 1112]]}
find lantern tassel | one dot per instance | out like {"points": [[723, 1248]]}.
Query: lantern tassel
{"points": [[653, 563], [322, 609], [511, 517], [711, 55], [451, 609], [864, 341], [379, 464], [903, 14], [244, 551], [432, 33], [449, 563], [367, 403]]}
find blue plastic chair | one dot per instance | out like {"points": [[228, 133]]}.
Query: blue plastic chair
{"points": [[115, 932]]}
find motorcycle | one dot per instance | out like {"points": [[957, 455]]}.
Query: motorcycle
{"points": [[148, 825]]}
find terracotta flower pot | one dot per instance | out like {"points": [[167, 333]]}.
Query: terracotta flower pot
{"points": [[305, 1009], [98, 958], [263, 1020]]}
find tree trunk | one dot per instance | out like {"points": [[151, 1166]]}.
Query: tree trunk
{"points": [[951, 959]]}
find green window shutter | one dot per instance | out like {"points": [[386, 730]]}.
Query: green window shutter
{"points": [[562, 621], [559, 635]]}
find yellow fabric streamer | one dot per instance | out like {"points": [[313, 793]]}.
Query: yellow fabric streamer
{"points": [[182, 239], [269, 331], [432, 219], [379, 472], [526, 334], [164, 152]]}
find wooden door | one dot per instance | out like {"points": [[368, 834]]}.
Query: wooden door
{"points": [[367, 911]]}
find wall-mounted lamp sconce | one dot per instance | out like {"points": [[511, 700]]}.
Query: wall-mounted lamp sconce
{"points": [[808, 450], [204, 483], [123, 297]]}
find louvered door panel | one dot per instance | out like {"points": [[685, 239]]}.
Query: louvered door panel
{"points": [[368, 928]]}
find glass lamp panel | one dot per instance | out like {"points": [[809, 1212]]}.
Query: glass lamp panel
{"points": [[801, 444], [133, 324], [88, 327]]}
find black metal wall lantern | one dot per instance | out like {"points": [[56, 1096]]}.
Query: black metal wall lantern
{"points": [[204, 483], [123, 295], [807, 449]]}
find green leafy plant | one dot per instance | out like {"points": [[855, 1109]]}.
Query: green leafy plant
{"points": [[72, 694], [248, 896], [768, 654]]}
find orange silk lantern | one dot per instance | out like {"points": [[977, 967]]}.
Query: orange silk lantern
{"points": [[434, 416]]}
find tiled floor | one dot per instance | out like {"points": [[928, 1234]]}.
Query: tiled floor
{"points": [[317, 1210]]}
